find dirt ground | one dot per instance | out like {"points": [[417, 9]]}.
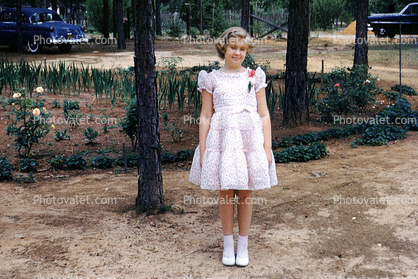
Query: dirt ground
{"points": [[352, 214]]}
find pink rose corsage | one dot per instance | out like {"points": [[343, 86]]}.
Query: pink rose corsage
{"points": [[251, 73]]}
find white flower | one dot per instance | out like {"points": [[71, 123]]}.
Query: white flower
{"points": [[368, 81], [39, 89], [378, 79], [36, 112], [16, 95]]}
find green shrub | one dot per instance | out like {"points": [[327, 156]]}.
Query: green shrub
{"points": [[379, 135], [176, 133], [30, 123], [391, 95], [90, 134], [58, 162], [168, 157], [28, 165], [26, 179], [337, 102], [301, 153], [71, 105], [129, 124], [102, 162], [76, 162], [184, 155], [5, 169], [56, 104], [412, 121], [348, 89], [333, 133], [407, 90], [400, 109], [175, 27], [131, 161], [61, 135]]}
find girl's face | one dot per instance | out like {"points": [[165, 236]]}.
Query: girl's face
{"points": [[235, 53]]}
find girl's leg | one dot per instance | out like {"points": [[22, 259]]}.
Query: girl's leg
{"points": [[244, 219], [226, 210], [245, 208]]}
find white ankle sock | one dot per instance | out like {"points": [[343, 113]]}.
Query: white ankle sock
{"points": [[229, 250], [242, 247]]}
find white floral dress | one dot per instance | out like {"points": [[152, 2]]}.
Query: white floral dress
{"points": [[234, 157]]}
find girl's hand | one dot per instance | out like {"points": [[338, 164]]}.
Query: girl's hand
{"points": [[269, 157], [202, 152]]}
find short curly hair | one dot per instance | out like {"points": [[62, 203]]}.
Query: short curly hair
{"points": [[234, 32]]}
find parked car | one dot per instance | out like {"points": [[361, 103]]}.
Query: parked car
{"points": [[40, 27], [387, 25]]}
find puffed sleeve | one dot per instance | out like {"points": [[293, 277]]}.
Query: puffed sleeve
{"points": [[204, 81], [260, 79]]}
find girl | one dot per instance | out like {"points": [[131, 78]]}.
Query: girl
{"points": [[234, 153]]}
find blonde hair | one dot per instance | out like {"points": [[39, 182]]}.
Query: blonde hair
{"points": [[233, 33]]}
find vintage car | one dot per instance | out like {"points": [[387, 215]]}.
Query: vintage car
{"points": [[40, 27], [387, 25]]}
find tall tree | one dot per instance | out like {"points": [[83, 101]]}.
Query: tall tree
{"points": [[296, 112], [19, 27], [119, 25], [150, 181], [106, 14], [54, 5], [245, 15], [158, 17], [360, 49]]}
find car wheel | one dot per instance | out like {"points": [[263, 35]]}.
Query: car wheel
{"points": [[386, 32], [65, 47], [34, 47], [13, 48]]}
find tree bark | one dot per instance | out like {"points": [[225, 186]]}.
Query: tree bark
{"points": [[158, 17], [361, 48], [106, 18], [150, 181], [296, 112], [245, 15], [201, 17], [119, 25], [54, 5], [114, 19], [19, 27]]}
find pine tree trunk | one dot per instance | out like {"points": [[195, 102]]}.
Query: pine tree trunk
{"points": [[19, 27], [150, 181], [119, 24], [245, 15], [158, 17], [361, 48], [54, 5], [106, 13], [296, 112]]}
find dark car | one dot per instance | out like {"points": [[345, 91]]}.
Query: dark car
{"points": [[387, 25], [40, 27]]}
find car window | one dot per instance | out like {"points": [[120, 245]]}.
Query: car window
{"points": [[44, 17], [411, 10], [5, 17], [24, 18]]}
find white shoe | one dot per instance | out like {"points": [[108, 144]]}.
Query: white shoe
{"points": [[242, 261], [242, 251], [228, 261]]}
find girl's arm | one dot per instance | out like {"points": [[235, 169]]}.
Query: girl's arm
{"points": [[205, 117], [265, 120]]}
